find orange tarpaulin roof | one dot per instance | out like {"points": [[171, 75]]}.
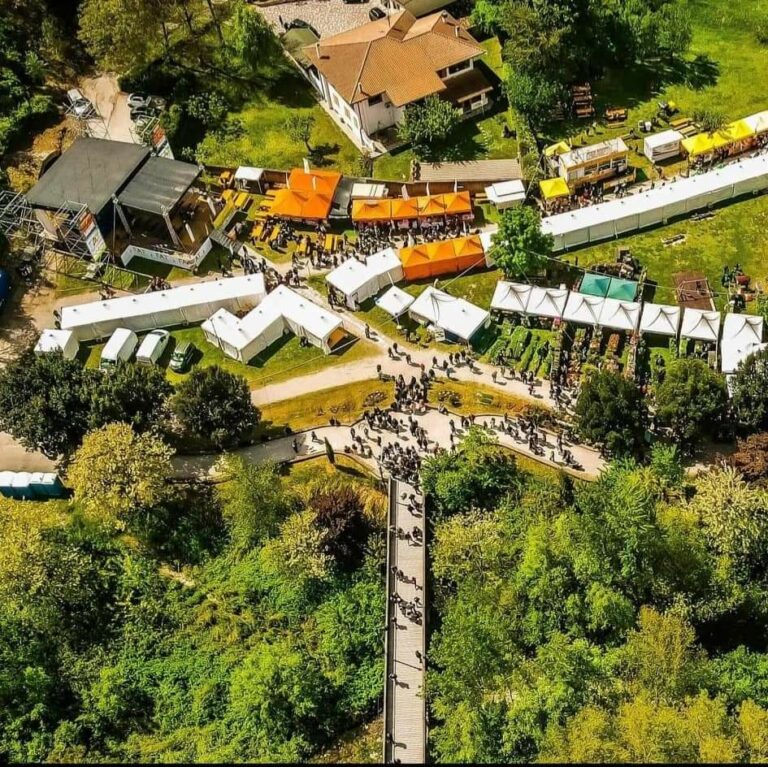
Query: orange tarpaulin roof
{"points": [[441, 257], [404, 209], [457, 203], [468, 246], [308, 195], [371, 210], [432, 205]]}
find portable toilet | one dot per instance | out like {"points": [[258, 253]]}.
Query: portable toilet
{"points": [[52, 486], [6, 483], [20, 485]]}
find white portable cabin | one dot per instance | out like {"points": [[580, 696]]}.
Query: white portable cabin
{"points": [[455, 316], [360, 280], [53, 341], [119, 348], [662, 146], [163, 308]]}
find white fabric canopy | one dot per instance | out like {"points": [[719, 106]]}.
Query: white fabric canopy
{"points": [[53, 340], [367, 191], [660, 319], [246, 173], [742, 336], [758, 121], [282, 311], [454, 315], [506, 193], [620, 315], [583, 309], [163, 308], [511, 297], [547, 302], [395, 301], [359, 280], [700, 325], [655, 206]]}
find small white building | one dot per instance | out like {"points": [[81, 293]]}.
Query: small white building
{"points": [[457, 318], [54, 341], [662, 146], [360, 280]]}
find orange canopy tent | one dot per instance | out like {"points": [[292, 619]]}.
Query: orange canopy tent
{"points": [[457, 203], [308, 196], [372, 210], [430, 206], [403, 209], [441, 257]]}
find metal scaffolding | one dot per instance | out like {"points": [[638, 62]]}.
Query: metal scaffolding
{"points": [[68, 219], [18, 221]]}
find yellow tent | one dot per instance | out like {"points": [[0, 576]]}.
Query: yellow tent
{"points": [[702, 143], [557, 149], [739, 130], [552, 188]]}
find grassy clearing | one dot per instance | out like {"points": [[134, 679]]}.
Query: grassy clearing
{"points": [[284, 359], [303, 472], [476, 398]]}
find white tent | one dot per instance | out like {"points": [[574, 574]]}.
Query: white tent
{"points": [[656, 206], [505, 194], [700, 325], [583, 309], [758, 121], [742, 336], [486, 240], [661, 146], [246, 175], [163, 308], [395, 301], [282, 311], [63, 341], [620, 315], [359, 280], [457, 317], [547, 302], [511, 297], [660, 319]]}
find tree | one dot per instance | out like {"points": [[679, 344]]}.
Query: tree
{"points": [[117, 474], [750, 459], [427, 125], [214, 406], [533, 95], [253, 501], [299, 128], [250, 37], [749, 395], [45, 401], [612, 413], [691, 401], [345, 529], [486, 15], [132, 394], [520, 248]]}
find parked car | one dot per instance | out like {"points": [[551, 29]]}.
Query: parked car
{"points": [[182, 356], [80, 105], [152, 347], [376, 13], [137, 100], [5, 287], [301, 24]]}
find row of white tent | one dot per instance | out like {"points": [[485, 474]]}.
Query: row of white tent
{"points": [[656, 206], [281, 311], [741, 332], [359, 280]]}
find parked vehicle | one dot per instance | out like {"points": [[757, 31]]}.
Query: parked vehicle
{"points": [[152, 347], [138, 100], [301, 24], [181, 359], [80, 105], [376, 13], [119, 348], [5, 287]]}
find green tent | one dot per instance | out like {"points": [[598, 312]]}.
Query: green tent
{"points": [[595, 285], [624, 290]]}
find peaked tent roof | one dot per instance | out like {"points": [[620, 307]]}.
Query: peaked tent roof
{"points": [[395, 301], [660, 319], [551, 188], [624, 290], [700, 325], [583, 309], [454, 315], [620, 315], [595, 284], [511, 296], [307, 195], [742, 337], [547, 302]]}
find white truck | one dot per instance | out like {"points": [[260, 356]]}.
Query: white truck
{"points": [[152, 347], [119, 348]]}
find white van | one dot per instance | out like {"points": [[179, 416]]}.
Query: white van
{"points": [[152, 347], [119, 348]]}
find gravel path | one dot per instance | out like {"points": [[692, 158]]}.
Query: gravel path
{"points": [[328, 17]]}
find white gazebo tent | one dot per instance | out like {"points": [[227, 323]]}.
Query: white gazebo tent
{"points": [[583, 309], [662, 146], [742, 336], [547, 302], [58, 341], [282, 311], [455, 316], [620, 315], [506, 194], [359, 280], [246, 175], [511, 297], [163, 308], [700, 325], [660, 319], [395, 301]]}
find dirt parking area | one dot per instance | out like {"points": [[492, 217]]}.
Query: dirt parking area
{"points": [[328, 17]]}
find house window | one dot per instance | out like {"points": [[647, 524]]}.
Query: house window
{"points": [[462, 67], [373, 100]]}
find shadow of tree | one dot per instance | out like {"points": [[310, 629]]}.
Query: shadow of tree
{"points": [[323, 155]]}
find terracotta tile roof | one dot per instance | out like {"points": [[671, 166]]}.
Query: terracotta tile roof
{"points": [[399, 56]]}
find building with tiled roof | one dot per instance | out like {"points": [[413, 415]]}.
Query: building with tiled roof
{"points": [[369, 74]]}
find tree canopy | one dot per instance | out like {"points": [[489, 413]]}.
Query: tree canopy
{"points": [[520, 248], [428, 125], [749, 395]]}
